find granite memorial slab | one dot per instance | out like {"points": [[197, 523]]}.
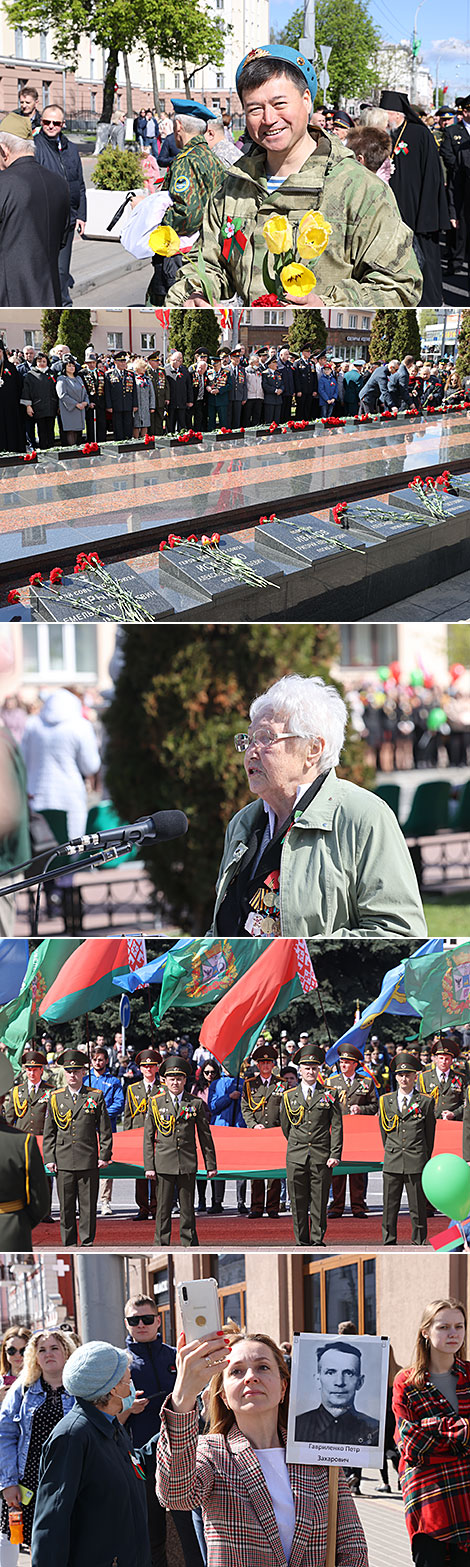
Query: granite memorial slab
{"points": [[64, 452], [188, 567], [452, 505], [330, 560], [82, 598]]}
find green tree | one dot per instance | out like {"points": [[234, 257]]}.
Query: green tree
{"points": [[74, 329], [384, 327], [193, 329], [118, 168], [50, 324], [426, 318], [308, 326], [182, 712], [115, 26], [183, 34], [407, 337], [176, 331], [345, 25], [458, 644], [463, 356]]}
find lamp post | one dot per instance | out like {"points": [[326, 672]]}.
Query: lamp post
{"points": [[415, 43]]}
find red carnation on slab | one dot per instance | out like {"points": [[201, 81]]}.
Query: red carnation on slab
{"points": [[13, 596], [35, 580], [56, 575]]}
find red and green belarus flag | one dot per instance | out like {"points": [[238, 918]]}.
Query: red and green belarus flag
{"points": [[87, 978], [280, 974], [19, 1019], [205, 970]]}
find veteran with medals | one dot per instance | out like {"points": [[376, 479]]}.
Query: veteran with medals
{"points": [[444, 1085], [260, 1107], [78, 1142], [172, 1120], [135, 1110], [408, 1125], [312, 1123]]}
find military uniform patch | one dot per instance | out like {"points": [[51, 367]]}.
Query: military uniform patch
{"points": [[181, 184]]}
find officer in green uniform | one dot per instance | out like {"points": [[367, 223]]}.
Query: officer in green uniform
{"points": [[78, 1142], [135, 1110], [170, 1153], [26, 1106], [312, 1122], [191, 178], [357, 1096], [408, 1125], [444, 1085], [293, 169], [260, 1107], [24, 1187]]}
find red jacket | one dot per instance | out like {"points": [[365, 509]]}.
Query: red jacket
{"points": [[434, 1444]]}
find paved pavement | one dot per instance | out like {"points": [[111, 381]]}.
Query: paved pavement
{"points": [[449, 600], [105, 274], [383, 1521]]}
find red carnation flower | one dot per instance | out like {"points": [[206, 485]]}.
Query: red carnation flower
{"points": [[35, 580], [13, 596], [215, 538], [56, 575], [192, 538]]}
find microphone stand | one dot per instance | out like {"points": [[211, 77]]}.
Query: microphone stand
{"points": [[98, 857]]}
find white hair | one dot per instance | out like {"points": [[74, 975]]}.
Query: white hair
{"points": [[16, 144], [191, 123], [310, 709], [378, 118]]}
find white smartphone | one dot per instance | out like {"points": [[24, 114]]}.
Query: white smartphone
{"points": [[200, 1308]]}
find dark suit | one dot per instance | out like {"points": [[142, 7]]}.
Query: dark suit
{"points": [[24, 1188], [353, 1427], [314, 1132], [408, 1140], [260, 1106], [76, 1133], [34, 220], [170, 1149]]}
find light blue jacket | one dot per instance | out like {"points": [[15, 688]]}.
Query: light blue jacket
{"points": [[16, 1419]]}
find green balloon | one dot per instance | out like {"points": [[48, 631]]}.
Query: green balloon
{"points": [[446, 1183], [383, 672], [416, 678], [436, 717]]}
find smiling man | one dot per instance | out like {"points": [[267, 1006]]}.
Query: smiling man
{"points": [[297, 168], [339, 1373]]}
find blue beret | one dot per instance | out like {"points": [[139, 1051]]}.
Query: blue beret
{"points": [[185, 106], [94, 1369], [290, 56]]}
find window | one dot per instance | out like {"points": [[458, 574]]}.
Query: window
{"points": [[19, 43], [43, 46], [32, 338], [365, 323], [114, 339], [93, 102], [339, 318], [60, 652], [363, 646], [336, 1293], [148, 340], [177, 79], [229, 1270], [161, 1292], [353, 322], [162, 83], [46, 91], [272, 317], [220, 5], [92, 68], [219, 80]]}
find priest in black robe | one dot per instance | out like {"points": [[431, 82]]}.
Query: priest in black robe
{"points": [[34, 219], [12, 431], [417, 183]]}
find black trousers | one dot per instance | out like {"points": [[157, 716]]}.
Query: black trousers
{"points": [[64, 267], [95, 420], [253, 411], [200, 416], [286, 409], [179, 419], [429, 1551], [392, 1190], [427, 251], [46, 432], [123, 425]]}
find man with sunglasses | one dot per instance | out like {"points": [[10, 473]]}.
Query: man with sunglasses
{"points": [[56, 152], [314, 855], [153, 1371]]}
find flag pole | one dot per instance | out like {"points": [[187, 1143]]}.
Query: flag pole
{"points": [[331, 1528]]}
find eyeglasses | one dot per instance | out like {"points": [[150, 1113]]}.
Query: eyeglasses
{"points": [[262, 737], [11, 1351], [147, 1319], [51, 123]]}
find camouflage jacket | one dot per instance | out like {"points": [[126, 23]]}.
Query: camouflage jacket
{"points": [[190, 180], [369, 259]]}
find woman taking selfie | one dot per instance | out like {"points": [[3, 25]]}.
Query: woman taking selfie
{"points": [[255, 1506], [431, 1403]]}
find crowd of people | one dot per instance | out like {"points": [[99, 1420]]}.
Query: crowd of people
{"points": [[204, 1425], [387, 184], [76, 1109], [421, 724]]}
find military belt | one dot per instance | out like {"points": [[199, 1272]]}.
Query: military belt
{"points": [[12, 1207]]}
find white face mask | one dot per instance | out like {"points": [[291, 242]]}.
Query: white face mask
{"points": [[130, 1398]]}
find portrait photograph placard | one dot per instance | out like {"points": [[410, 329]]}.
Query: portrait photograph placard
{"points": [[338, 1399]]}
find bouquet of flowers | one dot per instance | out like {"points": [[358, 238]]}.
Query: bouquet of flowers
{"points": [[291, 244]]}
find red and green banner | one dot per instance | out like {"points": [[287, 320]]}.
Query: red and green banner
{"points": [[205, 970], [87, 978], [280, 975], [439, 988], [19, 1019]]}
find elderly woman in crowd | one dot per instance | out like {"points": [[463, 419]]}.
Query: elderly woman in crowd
{"points": [[92, 1500], [145, 398], [254, 1504], [32, 1407], [314, 855]]}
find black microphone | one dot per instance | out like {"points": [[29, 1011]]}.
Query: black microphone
{"points": [[162, 826]]}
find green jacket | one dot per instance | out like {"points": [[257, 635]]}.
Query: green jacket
{"points": [[314, 1131], [77, 1133], [170, 1141], [27, 1111], [408, 1139], [24, 1188], [446, 1096], [345, 867], [190, 180], [261, 1102], [358, 1091], [369, 259]]}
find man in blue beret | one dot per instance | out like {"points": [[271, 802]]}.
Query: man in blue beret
{"points": [[192, 177], [295, 168]]}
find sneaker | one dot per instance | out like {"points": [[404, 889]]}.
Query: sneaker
{"points": [[106, 1210]]}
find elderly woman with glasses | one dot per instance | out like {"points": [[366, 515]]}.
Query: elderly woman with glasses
{"points": [[313, 855]]}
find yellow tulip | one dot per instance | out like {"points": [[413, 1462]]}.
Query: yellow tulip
{"points": [[165, 241], [314, 233], [297, 281], [278, 235]]}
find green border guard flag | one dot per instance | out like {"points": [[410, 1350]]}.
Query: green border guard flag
{"points": [[205, 970], [439, 988]]}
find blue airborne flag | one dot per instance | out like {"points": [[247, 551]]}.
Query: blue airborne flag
{"points": [[392, 999]]}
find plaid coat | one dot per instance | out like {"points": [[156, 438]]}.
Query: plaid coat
{"points": [[223, 1476], [434, 1446]]}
